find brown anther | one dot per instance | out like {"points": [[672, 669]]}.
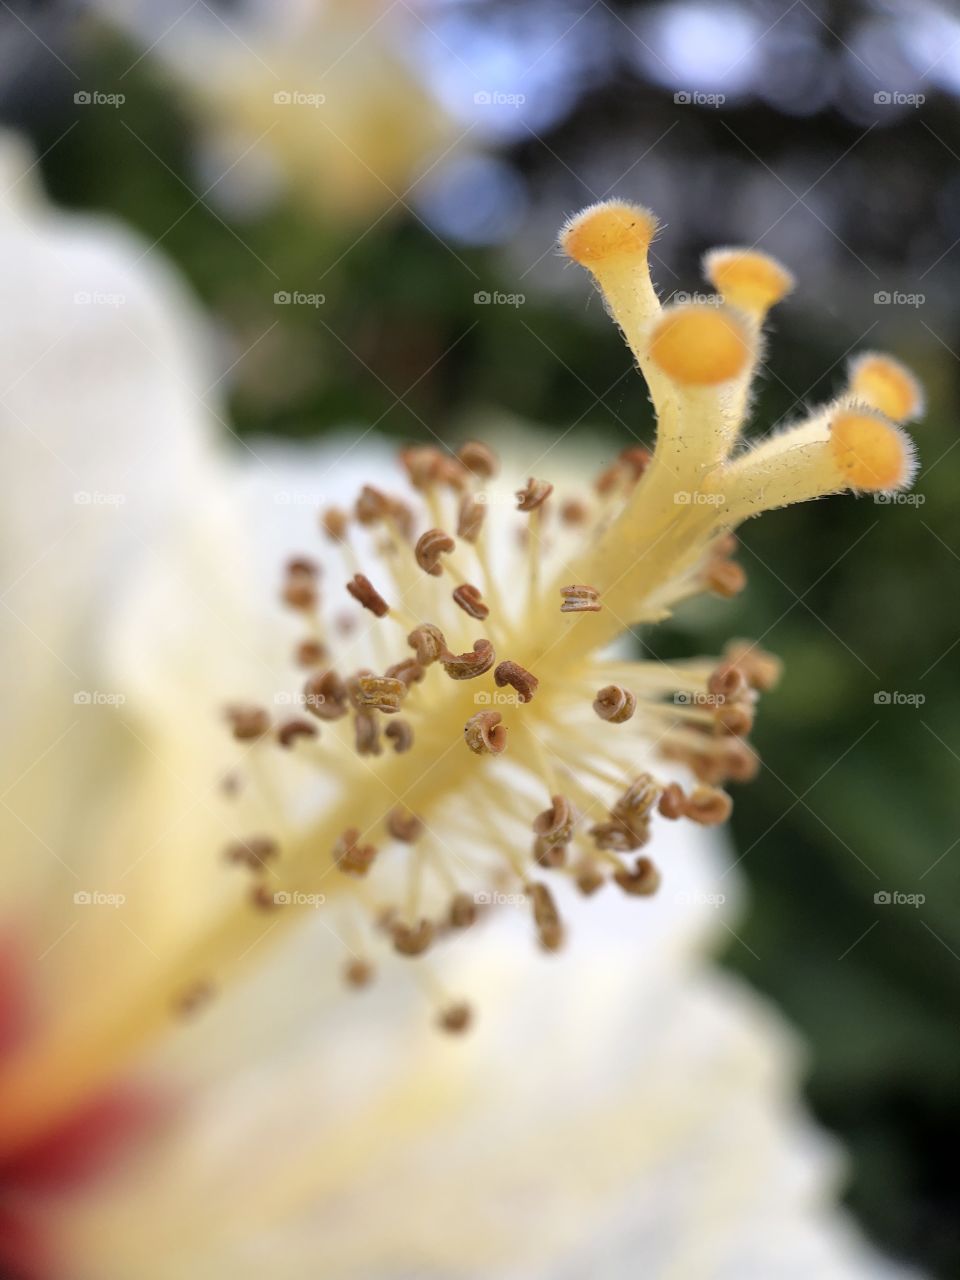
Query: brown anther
{"points": [[455, 1018], [325, 696], [427, 466], [579, 598], [470, 601], [194, 998], [534, 495], [673, 802], [517, 677], [574, 511], [636, 459], [612, 477], [735, 718], [414, 941], [708, 806], [466, 666], [352, 857], [366, 728], [358, 973], [761, 669], [615, 704], [639, 798], [404, 825], [616, 835], [248, 722], [470, 518], [555, 825], [334, 522], [549, 855], [262, 897], [642, 881], [363, 590], [725, 578], [479, 459], [400, 733], [428, 643], [300, 584], [727, 682], [310, 653], [740, 763], [253, 852], [291, 730], [380, 693], [430, 547], [408, 670], [372, 505], [589, 878], [484, 733], [546, 917], [463, 911]]}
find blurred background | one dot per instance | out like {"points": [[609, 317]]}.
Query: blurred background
{"points": [[365, 196]]}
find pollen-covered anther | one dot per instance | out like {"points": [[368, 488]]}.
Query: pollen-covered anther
{"points": [[708, 806], [466, 666], [470, 518], [400, 733], [427, 466], [380, 693], [725, 578], [698, 345], [625, 471], [263, 898], [869, 451], [588, 878], [615, 704], [463, 911], [325, 696], [887, 385], [580, 598], [372, 505], [254, 852], [524, 682], [247, 721], [455, 1018], [366, 727], [574, 512], [358, 973], [430, 547], [608, 230], [364, 592], [749, 279], [619, 834], [762, 670], [484, 734], [479, 459], [404, 825], [672, 803], [300, 584], [428, 643], [409, 671], [470, 601], [352, 857], [735, 717], [310, 653], [534, 495], [196, 997], [291, 731], [334, 521], [642, 881], [553, 830], [412, 940], [546, 917]]}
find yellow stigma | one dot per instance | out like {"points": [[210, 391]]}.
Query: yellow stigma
{"points": [[884, 384], [611, 229], [871, 451], [747, 278], [699, 345]]}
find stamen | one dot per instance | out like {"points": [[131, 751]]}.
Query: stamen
{"points": [[428, 642], [291, 730], [358, 973], [479, 459], [363, 591], [353, 858], [334, 523], [248, 722], [300, 584], [380, 693], [534, 495], [579, 598], [456, 1018], [546, 917], [400, 734], [483, 732], [615, 704], [642, 881], [470, 601], [412, 941], [470, 518], [511, 673], [254, 852], [430, 546], [403, 825], [467, 666], [325, 695]]}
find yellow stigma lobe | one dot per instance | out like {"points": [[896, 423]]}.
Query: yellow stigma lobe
{"points": [[699, 345], [887, 385], [611, 229], [747, 278], [871, 452]]}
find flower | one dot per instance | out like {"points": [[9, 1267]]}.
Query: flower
{"points": [[612, 1099]]}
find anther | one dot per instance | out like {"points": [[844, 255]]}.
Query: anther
{"points": [[400, 734], [300, 584], [470, 518], [291, 730], [479, 459], [404, 825], [534, 495], [463, 911], [363, 591], [380, 693], [248, 722], [579, 598], [642, 881], [413, 941], [615, 704], [485, 734], [455, 1018], [546, 917], [253, 852], [325, 696], [334, 522], [430, 546], [310, 653], [470, 601], [352, 857], [466, 666], [708, 806], [358, 973], [428, 643], [408, 670], [555, 825], [367, 734], [517, 677], [725, 578]]}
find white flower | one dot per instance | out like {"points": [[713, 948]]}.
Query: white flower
{"points": [[618, 1109]]}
